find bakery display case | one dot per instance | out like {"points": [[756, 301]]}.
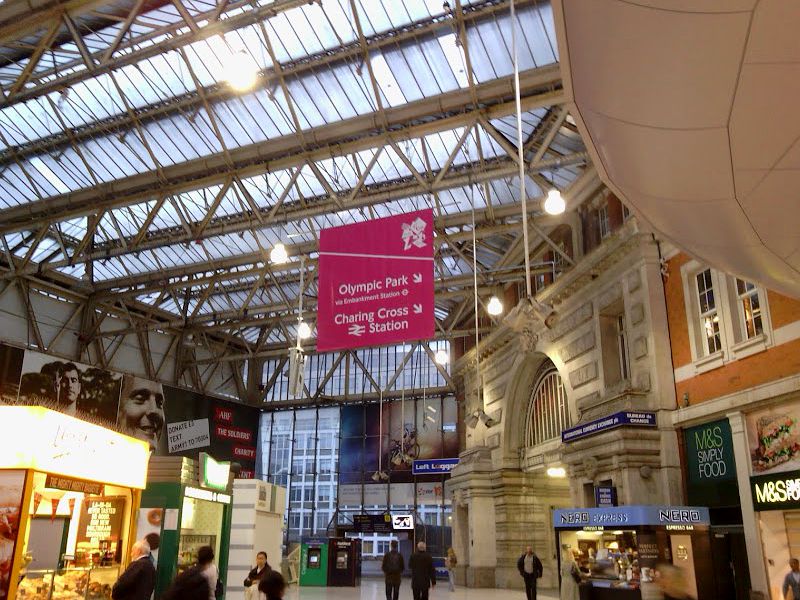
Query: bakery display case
{"points": [[68, 584]]}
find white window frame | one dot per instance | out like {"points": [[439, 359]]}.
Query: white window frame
{"points": [[733, 344], [603, 221]]}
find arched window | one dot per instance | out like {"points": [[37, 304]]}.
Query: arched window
{"points": [[548, 412]]}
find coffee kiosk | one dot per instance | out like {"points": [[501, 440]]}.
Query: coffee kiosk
{"points": [[619, 548]]}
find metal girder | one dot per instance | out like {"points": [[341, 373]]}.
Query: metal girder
{"points": [[280, 153], [187, 103], [300, 210], [451, 287], [162, 277]]}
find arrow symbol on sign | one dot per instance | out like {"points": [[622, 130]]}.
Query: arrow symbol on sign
{"points": [[417, 277], [417, 309]]}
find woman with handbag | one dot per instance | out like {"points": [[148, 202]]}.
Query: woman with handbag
{"points": [[570, 576]]}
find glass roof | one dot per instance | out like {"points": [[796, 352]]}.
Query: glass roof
{"points": [[156, 125]]}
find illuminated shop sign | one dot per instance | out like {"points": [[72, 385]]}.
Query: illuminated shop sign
{"points": [[198, 494], [777, 491], [583, 518], [52, 442], [214, 474]]}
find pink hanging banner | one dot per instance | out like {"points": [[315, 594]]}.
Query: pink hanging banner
{"points": [[376, 282]]}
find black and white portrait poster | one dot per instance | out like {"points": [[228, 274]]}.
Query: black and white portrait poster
{"points": [[70, 387], [141, 412]]}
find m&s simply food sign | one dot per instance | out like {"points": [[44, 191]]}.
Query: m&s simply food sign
{"points": [[709, 453]]}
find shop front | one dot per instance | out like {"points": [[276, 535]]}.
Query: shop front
{"points": [[188, 503], [711, 480], [68, 494], [618, 548]]}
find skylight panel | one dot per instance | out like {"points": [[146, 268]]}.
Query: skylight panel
{"points": [[453, 51], [46, 172], [386, 81]]}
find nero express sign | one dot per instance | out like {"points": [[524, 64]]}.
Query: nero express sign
{"points": [[777, 491], [578, 518]]}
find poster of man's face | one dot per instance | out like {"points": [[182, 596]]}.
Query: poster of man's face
{"points": [[73, 388], [141, 412]]}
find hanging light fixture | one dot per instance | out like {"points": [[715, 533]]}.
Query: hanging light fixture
{"points": [[278, 254], [495, 306], [240, 70], [557, 472], [303, 331], [442, 357], [554, 203]]}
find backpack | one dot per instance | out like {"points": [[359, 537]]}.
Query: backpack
{"points": [[394, 562], [189, 585]]}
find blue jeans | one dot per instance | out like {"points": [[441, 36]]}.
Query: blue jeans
{"points": [[451, 575]]}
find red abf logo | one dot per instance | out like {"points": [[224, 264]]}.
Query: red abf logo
{"points": [[376, 282]]}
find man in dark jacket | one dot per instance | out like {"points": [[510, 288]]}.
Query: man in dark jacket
{"points": [[392, 567], [423, 575], [530, 567], [139, 579]]}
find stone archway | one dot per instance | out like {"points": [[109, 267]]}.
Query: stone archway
{"points": [[517, 397]]}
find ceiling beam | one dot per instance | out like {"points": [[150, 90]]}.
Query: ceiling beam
{"points": [[351, 135]]}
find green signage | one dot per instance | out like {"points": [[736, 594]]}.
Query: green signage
{"points": [[709, 453]]}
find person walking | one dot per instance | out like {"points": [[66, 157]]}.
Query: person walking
{"points": [[392, 567], [570, 576], [255, 576], [139, 579], [205, 560], [154, 541], [423, 575], [450, 563], [530, 568], [792, 580], [272, 586]]}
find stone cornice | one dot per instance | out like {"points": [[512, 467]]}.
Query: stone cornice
{"points": [[589, 269]]}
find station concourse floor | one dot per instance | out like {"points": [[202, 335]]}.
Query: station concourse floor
{"points": [[373, 589]]}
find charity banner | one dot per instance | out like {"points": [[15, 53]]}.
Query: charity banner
{"points": [[376, 282], [226, 430]]}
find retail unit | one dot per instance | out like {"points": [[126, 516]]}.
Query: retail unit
{"points": [[188, 503], [68, 494], [619, 547]]}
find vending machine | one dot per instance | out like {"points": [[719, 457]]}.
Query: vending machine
{"points": [[344, 562], [314, 562]]}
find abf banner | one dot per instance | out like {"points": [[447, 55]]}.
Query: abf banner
{"points": [[376, 282]]}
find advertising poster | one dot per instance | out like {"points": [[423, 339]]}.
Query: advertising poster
{"points": [[227, 431], [412, 430], [376, 282], [773, 435], [10, 372], [12, 484], [141, 412], [72, 388]]}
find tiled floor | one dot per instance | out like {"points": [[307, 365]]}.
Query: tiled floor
{"points": [[372, 589]]}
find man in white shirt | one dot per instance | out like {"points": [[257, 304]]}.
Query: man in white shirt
{"points": [[530, 567]]}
